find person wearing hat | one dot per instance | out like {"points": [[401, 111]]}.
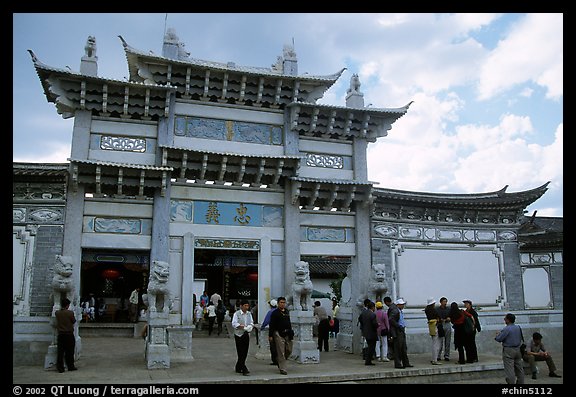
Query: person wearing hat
{"points": [[433, 319], [382, 332], [477, 327], [273, 305], [398, 333]]}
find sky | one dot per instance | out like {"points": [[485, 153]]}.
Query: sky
{"points": [[487, 89]]}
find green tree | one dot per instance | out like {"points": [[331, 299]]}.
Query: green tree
{"points": [[336, 287]]}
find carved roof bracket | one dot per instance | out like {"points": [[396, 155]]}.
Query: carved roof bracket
{"points": [[206, 85], [242, 171], [296, 186], [183, 167], [349, 198], [259, 173], [331, 198], [278, 173], [98, 180], [223, 163], [204, 168], [119, 182], [141, 184], [312, 199]]}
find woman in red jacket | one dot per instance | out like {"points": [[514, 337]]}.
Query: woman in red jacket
{"points": [[462, 338]]}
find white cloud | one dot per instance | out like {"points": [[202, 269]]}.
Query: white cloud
{"points": [[54, 153], [533, 51]]}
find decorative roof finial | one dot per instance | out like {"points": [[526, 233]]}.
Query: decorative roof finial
{"points": [[89, 62], [354, 98], [90, 47]]}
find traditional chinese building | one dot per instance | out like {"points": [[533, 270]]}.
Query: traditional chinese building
{"points": [[231, 174]]}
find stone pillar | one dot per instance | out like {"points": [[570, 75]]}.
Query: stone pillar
{"points": [[304, 348], [71, 248], [187, 279], [345, 333], [157, 349]]}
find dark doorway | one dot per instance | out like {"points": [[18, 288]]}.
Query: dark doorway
{"points": [[108, 277], [231, 273]]}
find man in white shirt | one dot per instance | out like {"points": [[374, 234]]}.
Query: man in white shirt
{"points": [[242, 324], [215, 298]]}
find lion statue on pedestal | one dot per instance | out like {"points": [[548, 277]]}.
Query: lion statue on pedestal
{"points": [[302, 286], [158, 291], [377, 286], [63, 282]]}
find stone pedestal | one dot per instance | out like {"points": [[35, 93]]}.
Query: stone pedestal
{"points": [[304, 348], [157, 349], [345, 334], [180, 342], [263, 352]]}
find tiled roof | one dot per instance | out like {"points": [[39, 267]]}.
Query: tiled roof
{"points": [[132, 52], [332, 181], [480, 200], [123, 165], [231, 154], [40, 169]]}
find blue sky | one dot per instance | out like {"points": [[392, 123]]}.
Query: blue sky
{"points": [[487, 88]]}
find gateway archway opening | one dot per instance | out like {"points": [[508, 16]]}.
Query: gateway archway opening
{"points": [[231, 273], [107, 278]]}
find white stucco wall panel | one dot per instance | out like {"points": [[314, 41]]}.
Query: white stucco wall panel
{"points": [[265, 116], [337, 249], [117, 156], [454, 273], [536, 283], [109, 240], [320, 146], [125, 129], [219, 146], [336, 220], [101, 208], [226, 232], [228, 194], [325, 173]]}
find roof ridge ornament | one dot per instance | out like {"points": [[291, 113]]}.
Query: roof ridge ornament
{"points": [[174, 48], [354, 98]]}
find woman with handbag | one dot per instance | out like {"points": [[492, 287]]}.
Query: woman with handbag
{"points": [[383, 331]]}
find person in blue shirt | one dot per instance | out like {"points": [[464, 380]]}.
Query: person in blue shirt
{"points": [[511, 339], [273, 304]]}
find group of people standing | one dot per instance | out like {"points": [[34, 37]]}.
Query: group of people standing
{"points": [[384, 331], [443, 320]]}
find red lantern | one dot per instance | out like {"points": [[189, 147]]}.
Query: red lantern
{"points": [[111, 274], [252, 276]]}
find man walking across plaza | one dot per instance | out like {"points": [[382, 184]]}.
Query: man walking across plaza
{"points": [[242, 324]]}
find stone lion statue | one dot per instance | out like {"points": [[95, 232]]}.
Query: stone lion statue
{"points": [[302, 286], [63, 282], [158, 292], [90, 47], [354, 84], [378, 286]]}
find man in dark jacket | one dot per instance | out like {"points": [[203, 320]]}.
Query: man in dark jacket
{"points": [[472, 338], [280, 333], [369, 325], [65, 320]]}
